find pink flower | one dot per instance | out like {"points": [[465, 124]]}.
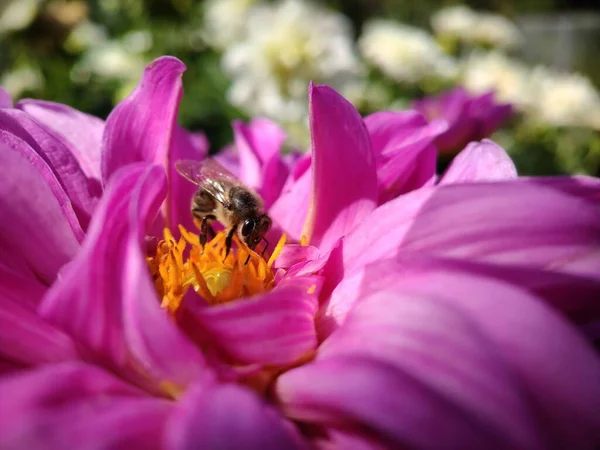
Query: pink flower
{"points": [[424, 312], [469, 118]]}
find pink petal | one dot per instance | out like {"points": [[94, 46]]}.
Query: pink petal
{"points": [[140, 127], [343, 168], [5, 99], [228, 416], [556, 370], [368, 396], [272, 328], [480, 161], [386, 128], [291, 208], [518, 222], [26, 339], [407, 170], [184, 146], [23, 289], [77, 406], [39, 232], [574, 296], [80, 132], [105, 297], [144, 128], [261, 166], [471, 362], [82, 191]]}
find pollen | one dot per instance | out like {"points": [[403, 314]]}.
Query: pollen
{"points": [[181, 264]]}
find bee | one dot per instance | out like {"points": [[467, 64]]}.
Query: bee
{"points": [[222, 197]]}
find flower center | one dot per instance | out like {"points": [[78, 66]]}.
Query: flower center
{"points": [[182, 264]]}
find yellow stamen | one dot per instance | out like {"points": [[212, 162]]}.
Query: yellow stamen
{"points": [[181, 265]]}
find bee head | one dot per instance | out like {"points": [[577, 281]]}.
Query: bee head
{"points": [[254, 229]]}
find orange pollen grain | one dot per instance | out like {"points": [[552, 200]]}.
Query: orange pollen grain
{"points": [[179, 265]]}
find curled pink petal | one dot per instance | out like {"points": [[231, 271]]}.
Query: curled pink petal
{"points": [[105, 297], [80, 132], [144, 128], [480, 161], [82, 191], [215, 417], [344, 181], [39, 231], [86, 300], [272, 328], [140, 127], [73, 405]]}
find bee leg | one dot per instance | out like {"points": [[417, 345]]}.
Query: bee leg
{"points": [[203, 229], [266, 246], [228, 241]]}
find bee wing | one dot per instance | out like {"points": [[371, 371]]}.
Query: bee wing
{"points": [[208, 175]]}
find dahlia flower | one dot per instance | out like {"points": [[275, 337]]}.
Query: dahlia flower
{"points": [[470, 118], [402, 309]]}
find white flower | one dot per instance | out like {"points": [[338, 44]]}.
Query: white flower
{"points": [[404, 53], [225, 20], [286, 46], [17, 14], [109, 60], [86, 34], [565, 99], [494, 71], [21, 79], [471, 27]]}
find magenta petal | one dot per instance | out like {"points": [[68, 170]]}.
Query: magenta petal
{"points": [[140, 127], [273, 328], [473, 362], [518, 222], [39, 231], [480, 161], [344, 188], [387, 127], [184, 146], [70, 406], [227, 417], [391, 406], [5, 99], [82, 191], [291, 208], [261, 166], [80, 132], [578, 298], [527, 336], [105, 298], [410, 169], [26, 339]]}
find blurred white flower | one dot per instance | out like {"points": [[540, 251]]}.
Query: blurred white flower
{"points": [[85, 35], [20, 80], [17, 14], [225, 20], [484, 71], [404, 53], [109, 60], [285, 46], [471, 27], [564, 99]]}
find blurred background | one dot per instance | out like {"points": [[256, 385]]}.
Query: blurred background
{"points": [[250, 58]]}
